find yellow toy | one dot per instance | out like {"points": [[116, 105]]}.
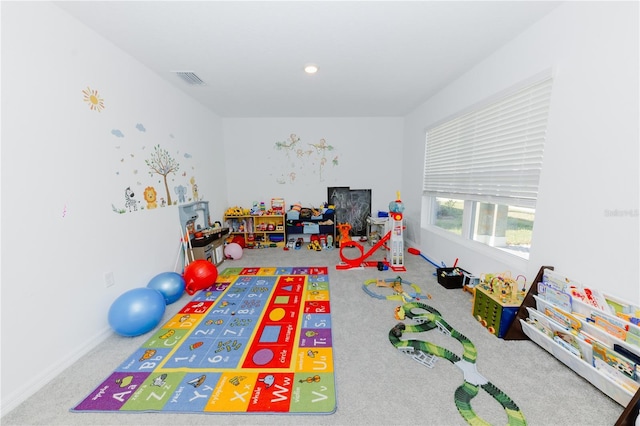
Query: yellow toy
{"points": [[235, 211], [315, 245]]}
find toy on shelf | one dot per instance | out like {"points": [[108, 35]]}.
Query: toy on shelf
{"points": [[311, 223], [235, 211], [256, 226], [255, 209], [277, 206], [395, 257]]}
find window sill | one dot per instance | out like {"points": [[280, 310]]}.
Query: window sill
{"points": [[513, 258]]}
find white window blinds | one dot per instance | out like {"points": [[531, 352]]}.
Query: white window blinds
{"points": [[492, 154]]}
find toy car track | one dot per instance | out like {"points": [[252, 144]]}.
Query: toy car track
{"points": [[428, 319]]}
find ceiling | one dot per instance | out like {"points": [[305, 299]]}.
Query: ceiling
{"points": [[376, 58]]}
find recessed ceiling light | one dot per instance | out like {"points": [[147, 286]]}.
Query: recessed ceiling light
{"points": [[311, 69]]}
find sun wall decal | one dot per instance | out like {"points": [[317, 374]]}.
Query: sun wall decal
{"points": [[96, 103]]}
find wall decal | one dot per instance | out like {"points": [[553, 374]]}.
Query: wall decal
{"points": [[96, 103], [150, 195], [194, 188], [169, 184], [130, 188], [181, 191], [321, 149], [162, 163], [304, 162], [130, 201]]}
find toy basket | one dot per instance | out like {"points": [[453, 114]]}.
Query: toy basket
{"points": [[451, 278]]}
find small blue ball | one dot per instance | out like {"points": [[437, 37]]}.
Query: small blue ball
{"points": [[170, 284], [136, 311]]}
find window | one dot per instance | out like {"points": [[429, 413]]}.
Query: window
{"points": [[449, 214], [482, 168]]}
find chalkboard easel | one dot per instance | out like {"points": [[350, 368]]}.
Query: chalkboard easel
{"points": [[352, 206]]}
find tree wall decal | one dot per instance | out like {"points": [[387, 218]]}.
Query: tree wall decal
{"points": [[162, 163]]}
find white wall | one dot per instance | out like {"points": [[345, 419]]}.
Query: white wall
{"points": [[591, 155], [59, 234], [368, 153], [61, 172]]}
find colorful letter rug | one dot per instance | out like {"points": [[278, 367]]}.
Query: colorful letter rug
{"points": [[257, 341]]}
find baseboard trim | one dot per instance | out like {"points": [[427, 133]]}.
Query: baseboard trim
{"points": [[14, 399]]}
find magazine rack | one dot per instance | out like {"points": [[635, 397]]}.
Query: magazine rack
{"points": [[515, 332]]}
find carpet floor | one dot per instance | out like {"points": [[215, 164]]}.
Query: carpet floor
{"points": [[376, 384]]}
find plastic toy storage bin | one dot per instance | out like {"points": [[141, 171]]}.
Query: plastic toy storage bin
{"points": [[450, 281]]}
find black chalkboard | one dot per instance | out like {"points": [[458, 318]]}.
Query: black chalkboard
{"points": [[352, 206]]}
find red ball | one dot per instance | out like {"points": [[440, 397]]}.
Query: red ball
{"points": [[238, 239], [198, 275]]}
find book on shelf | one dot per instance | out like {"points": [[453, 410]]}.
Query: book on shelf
{"points": [[566, 319], [633, 339], [622, 307], [569, 338], [635, 357], [552, 294], [572, 321], [551, 280], [614, 326], [615, 375], [615, 359], [540, 322]]}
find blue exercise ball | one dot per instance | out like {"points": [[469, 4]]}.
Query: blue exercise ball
{"points": [[170, 284], [137, 311]]}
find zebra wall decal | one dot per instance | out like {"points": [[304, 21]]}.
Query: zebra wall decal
{"points": [[129, 200]]}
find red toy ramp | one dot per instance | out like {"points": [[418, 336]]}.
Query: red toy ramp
{"points": [[360, 261]]}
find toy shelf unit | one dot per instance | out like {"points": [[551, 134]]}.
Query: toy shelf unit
{"points": [[258, 231], [304, 227], [594, 334]]}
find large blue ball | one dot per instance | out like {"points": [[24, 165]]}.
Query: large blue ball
{"points": [[137, 311], [170, 284]]}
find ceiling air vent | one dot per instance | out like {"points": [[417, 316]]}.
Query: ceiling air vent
{"points": [[190, 78]]}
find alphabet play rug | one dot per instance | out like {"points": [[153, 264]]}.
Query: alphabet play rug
{"points": [[257, 341]]}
